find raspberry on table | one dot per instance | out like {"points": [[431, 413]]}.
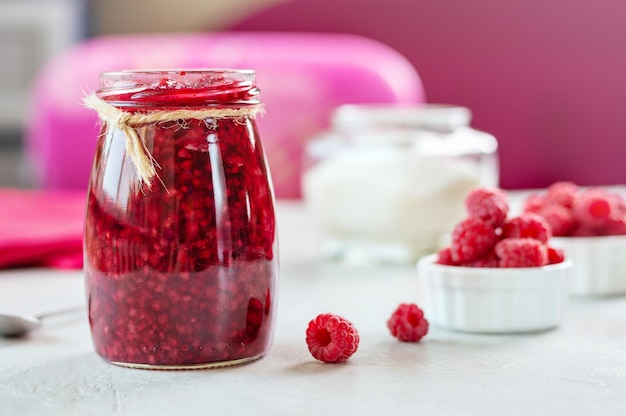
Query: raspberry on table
{"points": [[331, 338], [407, 323], [521, 252], [527, 225], [489, 205], [471, 239]]}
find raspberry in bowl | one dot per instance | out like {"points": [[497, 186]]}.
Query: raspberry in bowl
{"points": [[500, 274], [589, 225]]}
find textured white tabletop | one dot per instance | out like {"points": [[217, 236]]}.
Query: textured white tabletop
{"points": [[576, 369]]}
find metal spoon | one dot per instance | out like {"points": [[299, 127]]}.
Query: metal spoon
{"points": [[14, 326]]}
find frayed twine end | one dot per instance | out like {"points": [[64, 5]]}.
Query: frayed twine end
{"points": [[136, 148]]}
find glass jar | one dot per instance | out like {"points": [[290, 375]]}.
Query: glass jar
{"points": [[181, 261], [387, 183]]}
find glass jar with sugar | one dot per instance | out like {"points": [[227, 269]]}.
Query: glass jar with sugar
{"points": [[387, 183]]}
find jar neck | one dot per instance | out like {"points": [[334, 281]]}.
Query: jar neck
{"points": [[436, 118], [179, 88]]}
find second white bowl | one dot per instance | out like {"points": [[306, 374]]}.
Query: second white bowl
{"points": [[599, 264]]}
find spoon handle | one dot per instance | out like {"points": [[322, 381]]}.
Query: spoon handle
{"points": [[61, 312]]}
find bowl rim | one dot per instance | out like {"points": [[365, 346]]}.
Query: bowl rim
{"points": [[590, 239], [429, 261]]}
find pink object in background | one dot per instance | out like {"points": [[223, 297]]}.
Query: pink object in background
{"points": [[302, 77], [546, 78], [41, 228]]}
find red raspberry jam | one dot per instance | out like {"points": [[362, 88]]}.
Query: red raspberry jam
{"points": [[181, 272]]}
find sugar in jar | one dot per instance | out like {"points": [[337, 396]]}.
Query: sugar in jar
{"points": [[386, 183], [180, 234]]}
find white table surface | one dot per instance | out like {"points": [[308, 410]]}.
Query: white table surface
{"points": [[576, 369]]}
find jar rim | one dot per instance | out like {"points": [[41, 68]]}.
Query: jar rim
{"points": [[193, 87], [181, 71], [438, 116]]}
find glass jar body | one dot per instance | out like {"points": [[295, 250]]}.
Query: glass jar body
{"points": [[387, 184], [181, 272]]}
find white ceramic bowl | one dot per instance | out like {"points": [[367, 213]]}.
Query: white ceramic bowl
{"points": [[599, 264], [493, 300]]}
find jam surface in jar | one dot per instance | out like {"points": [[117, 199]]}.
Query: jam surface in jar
{"points": [[181, 272]]}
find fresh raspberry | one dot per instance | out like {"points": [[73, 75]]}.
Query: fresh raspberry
{"points": [[331, 338], [445, 257], [574, 212], [471, 239], [615, 227], [609, 227], [534, 203], [583, 230], [489, 205], [562, 193], [527, 225], [555, 255], [407, 323], [521, 252], [593, 207], [487, 260], [560, 219], [618, 205]]}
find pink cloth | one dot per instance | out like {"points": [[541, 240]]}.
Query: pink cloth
{"points": [[41, 228]]}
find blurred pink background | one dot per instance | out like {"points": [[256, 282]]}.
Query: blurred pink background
{"points": [[547, 78]]}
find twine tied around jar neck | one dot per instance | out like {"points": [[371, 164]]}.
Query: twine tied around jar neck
{"points": [[136, 148]]}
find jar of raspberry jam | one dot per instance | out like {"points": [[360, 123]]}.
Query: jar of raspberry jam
{"points": [[180, 235]]}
